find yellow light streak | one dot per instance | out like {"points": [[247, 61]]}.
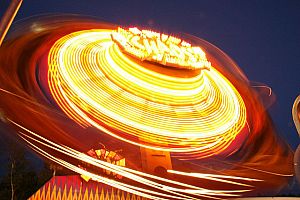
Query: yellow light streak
{"points": [[96, 84]]}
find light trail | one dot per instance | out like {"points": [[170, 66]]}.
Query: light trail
{"points": [[263, 86], [96, 84], [215, 177], [166, 191], [195, 106]]}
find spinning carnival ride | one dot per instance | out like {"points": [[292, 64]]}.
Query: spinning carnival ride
{"points": [[179, 111]]}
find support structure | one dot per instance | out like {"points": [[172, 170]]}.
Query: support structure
{"points": [[296, 113], [156, 162], [296, 118], [8, 18]]}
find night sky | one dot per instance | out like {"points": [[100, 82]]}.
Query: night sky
{"points": [[263, 37]]}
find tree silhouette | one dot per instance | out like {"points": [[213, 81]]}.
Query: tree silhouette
{"points": [[21, 177]]}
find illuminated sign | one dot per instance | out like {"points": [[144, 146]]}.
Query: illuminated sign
{"points": [[108, 156], [160, 48]]}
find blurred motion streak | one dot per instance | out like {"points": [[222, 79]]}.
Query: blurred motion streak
{"points": [[67, 86], [8, 18]]}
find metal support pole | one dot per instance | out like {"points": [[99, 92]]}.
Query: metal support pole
{"points": [[8, 18], [296, 113], [296, 118]]}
